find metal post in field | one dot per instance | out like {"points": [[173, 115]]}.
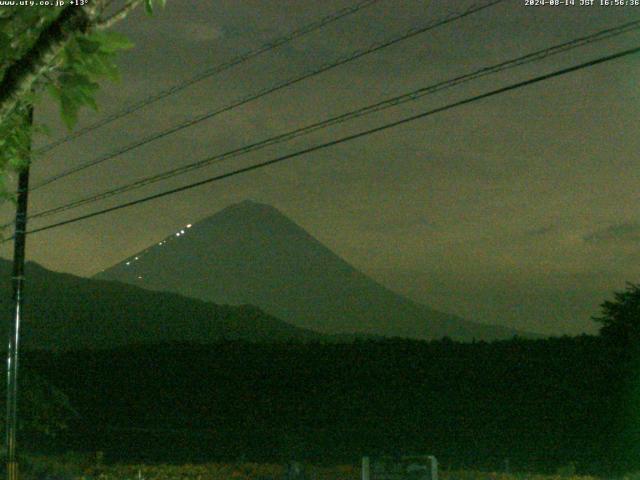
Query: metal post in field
{"points": [[17, 279], [366, 468], [434, 467]]}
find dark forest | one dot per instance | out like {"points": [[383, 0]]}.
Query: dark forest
{"points": [[539, 404]]}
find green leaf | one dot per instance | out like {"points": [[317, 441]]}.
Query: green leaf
{"points": [[111, 42], [72, 53], [97, 64], [18, 162], [73, 80], [85, 95], [5, 41], [54, 91], [103, 65], [88, 45], [68, 110], [148, 6], [77, 89]]}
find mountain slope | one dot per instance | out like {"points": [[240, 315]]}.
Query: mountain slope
{"points": [[63, 311], [251, 253]]}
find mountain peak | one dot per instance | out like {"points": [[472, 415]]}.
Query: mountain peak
{"points": [[244, 211], [249, 204], [251, 253], [250, 221]]}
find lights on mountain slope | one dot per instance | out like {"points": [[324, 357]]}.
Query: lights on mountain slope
{"points": [[182, 232], [161, 243]]}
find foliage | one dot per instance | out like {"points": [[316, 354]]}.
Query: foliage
{"points": [[45, 410], [539, 403], [149, 6], [71, 77], [568, 470], [87, 58], [15, 139], [620, 318], [69, 466]]}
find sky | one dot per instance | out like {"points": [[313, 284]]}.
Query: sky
{"points": [[519, 210]]}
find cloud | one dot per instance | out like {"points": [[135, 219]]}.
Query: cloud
{"points": [[621, 232]]}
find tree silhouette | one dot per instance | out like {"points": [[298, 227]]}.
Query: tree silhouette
{"points": [[44, 409], [620, 318]]}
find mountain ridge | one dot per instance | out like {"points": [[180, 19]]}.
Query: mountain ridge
{"points": [[64, 311], [250, 252]]}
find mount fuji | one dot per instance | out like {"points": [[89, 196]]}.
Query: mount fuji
{"points": [[251, 253]]}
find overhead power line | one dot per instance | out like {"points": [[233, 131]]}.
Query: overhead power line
{"points": [[376, 107], [280, 86], [344, 139], [210, 72]]}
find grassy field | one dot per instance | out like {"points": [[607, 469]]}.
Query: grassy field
{"points": [[254, 471], [85, 468], [215, 471]]}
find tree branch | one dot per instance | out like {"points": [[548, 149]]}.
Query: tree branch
{"points": [[119, 15], [20, 77]]}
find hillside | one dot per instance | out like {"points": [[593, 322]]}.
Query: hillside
{"points": [[252, 253], [63, 311]]}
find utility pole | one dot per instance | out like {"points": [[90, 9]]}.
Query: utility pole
{"points": [[17, 280]]}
